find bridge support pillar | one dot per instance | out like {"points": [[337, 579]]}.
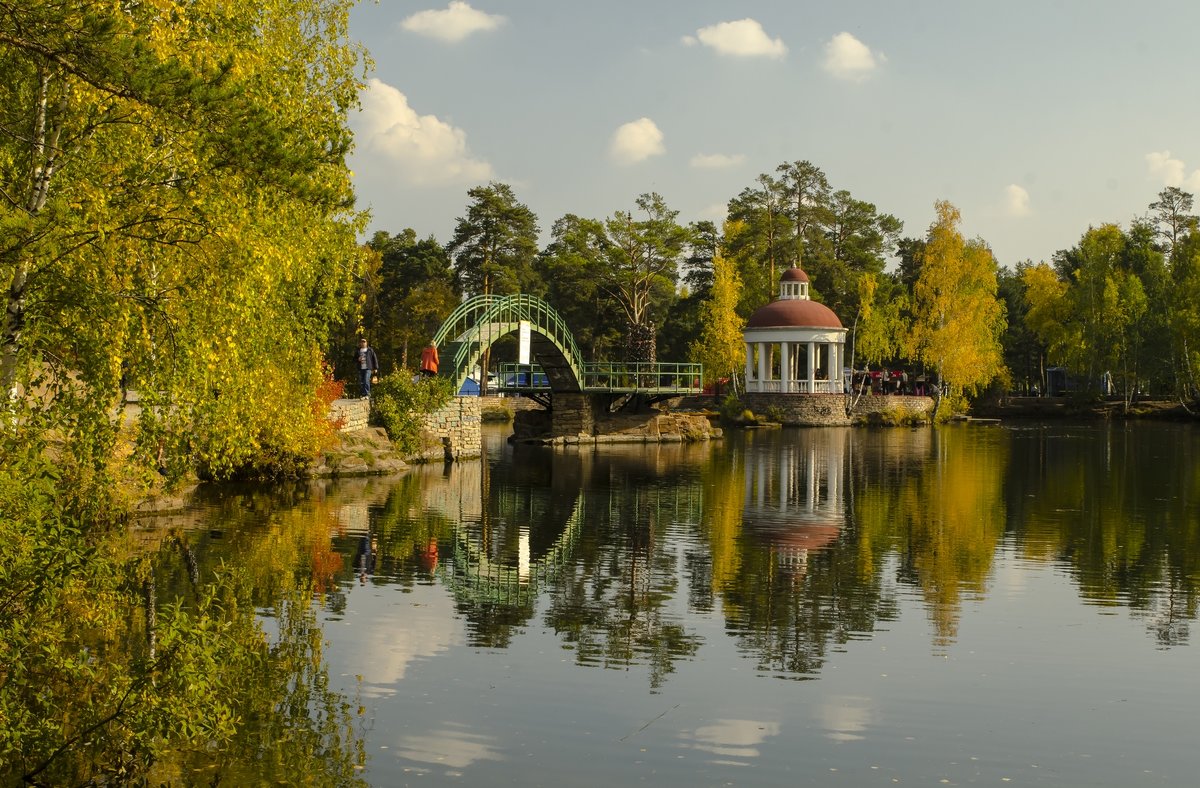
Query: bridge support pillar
{"points": [[573, 414]]}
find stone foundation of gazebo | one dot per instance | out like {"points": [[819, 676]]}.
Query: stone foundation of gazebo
{"points": [[829, 410]]}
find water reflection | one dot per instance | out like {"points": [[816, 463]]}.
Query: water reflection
{"points": [[847, 717], [802, 541], [700, 569], [452, 746], [781, 558], [733, 742]]}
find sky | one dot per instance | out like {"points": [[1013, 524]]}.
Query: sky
{"points": [[1036, 119]]}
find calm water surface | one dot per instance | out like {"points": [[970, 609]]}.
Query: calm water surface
{"points": [[965, 605]]}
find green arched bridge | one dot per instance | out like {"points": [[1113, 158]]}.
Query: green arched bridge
{"points": [[483, 320]]}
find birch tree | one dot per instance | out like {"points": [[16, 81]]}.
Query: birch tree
{"points": [[720, 346], [957, 318]]}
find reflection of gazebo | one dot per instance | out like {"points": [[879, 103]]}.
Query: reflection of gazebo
{"points": [[795, 498], [794, 345]]}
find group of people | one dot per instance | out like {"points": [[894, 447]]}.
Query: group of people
{"points": [[367, 363]]}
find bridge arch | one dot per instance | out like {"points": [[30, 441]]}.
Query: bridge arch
{"points": [[483, 320]]}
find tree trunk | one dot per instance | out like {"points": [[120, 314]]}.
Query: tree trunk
{"points": [[14, 325], [641, 342]]}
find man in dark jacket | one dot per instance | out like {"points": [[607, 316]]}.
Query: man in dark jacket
{"points": [[367, 363]]}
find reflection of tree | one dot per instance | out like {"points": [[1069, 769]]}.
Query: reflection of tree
{"points": [[171, 675], [936, 497], [1117, 506], [611, 603], [294, 730]]}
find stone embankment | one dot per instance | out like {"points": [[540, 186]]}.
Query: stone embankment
{"points": [[361, 452]]}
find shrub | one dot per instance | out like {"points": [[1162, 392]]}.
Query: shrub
{"points": [[399, 402], [731, 409]]}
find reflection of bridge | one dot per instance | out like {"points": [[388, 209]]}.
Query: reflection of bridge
{"points": [[480, 322], [479, 577]]}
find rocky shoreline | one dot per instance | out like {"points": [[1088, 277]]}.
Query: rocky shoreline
{"points": [[676, 427]]}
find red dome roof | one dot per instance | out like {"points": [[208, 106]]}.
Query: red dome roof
{"points": [[794, 275], [794, 313]]}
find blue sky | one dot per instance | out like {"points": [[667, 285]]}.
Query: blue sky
{"points": [[1036, 119]]}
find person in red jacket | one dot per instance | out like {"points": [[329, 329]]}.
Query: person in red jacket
{"points": [[429, 361]]}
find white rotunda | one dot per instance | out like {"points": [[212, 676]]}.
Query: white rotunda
{"points": [[794, 345]]}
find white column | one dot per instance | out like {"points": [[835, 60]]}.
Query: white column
{"points": [[785, 367], [812, 367], [749, 358], [762, 366]]}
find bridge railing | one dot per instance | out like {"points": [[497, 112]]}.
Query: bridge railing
{"points": [[681, 378], [611, 376]]}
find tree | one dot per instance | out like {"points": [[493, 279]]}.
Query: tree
{"points": [[806, 194], [1185, 316], [1108, 301], [569, 268], [640, 257], [1048, 314], [858, 238], [416, 290], [720, 346], [177, 217], [1150, 334], [879, 323], [494, 246], [1172, 215], [762, 238], [495, 243], [1024, 355], [957, 317], [684, 318]]}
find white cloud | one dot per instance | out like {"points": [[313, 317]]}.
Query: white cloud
{"points": [[1172, 172], [636, 141], [848, 58], [1016, 200], [716, 161], [424, 148], [452, 23], [742, 38]]}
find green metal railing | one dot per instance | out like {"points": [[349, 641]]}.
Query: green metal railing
{"points": [[480, 321], [610, 376]]}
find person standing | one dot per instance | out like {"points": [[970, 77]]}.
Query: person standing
{"points": [[368, 365], [429, 360]]}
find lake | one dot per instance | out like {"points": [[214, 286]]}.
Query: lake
{"points": [[985, 605]]}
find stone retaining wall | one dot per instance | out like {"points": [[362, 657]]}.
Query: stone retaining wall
{"points": [[799, 410], [573, 414], [829, 410], [892, 409], [351, 415], [453, 431]]}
